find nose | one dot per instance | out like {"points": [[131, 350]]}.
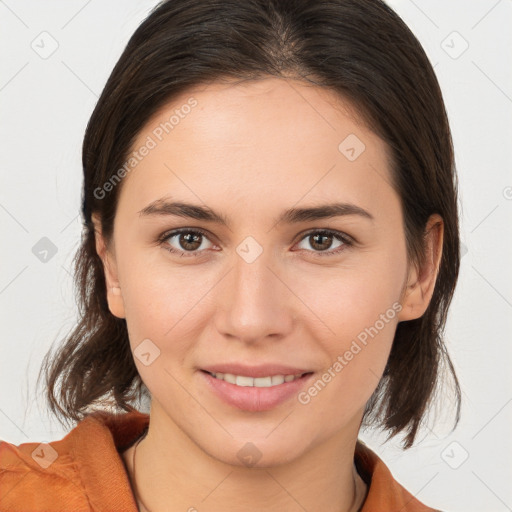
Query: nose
{"points": [[255, 301]]}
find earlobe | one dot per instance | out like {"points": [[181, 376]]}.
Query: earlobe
{"points": [[421, 281], [114, 295]]}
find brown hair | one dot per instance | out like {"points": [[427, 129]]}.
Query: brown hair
{"points": [[360, 49]]}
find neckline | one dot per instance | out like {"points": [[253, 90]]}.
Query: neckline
{"points": [[361, 468], [99, 440]]}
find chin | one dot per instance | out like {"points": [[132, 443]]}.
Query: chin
{"points": [[254, 453]]}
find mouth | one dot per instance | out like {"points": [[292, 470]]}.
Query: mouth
{"points": [[255, 394], [269, 381]]}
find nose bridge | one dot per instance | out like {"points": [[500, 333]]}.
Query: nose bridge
{"points": [[255, 302], [251, 273]]}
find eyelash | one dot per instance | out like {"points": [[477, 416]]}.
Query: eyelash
{"points": [[345, 239]]}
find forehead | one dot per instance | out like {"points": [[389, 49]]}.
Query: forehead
{"points": [[256, 141], [224, 107]]}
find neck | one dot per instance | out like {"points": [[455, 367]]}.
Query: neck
{"points": [[179, 475]]}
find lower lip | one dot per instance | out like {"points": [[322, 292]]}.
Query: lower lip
{"points": [[255, 399]]}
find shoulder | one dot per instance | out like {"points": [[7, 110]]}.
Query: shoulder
{"points": [[385, 494], [83, 471], [33, 475]]}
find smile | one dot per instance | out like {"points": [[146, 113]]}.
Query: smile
{"points": [[257, 382]]}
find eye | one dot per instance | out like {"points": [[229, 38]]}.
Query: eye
{"points": [[188, 241], [321, 240], [191, 242]]}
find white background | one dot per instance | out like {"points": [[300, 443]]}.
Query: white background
{"points": [[45, 105]]}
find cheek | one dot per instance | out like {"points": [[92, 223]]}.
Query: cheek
{"points": [[348, 299], [162, 301], [356, 317], [356, 356], [163, 309]]}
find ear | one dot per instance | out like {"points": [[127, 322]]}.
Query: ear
{"points": [[421, 282], [114, 297]]}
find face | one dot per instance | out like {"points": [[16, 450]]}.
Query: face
{"points": [[257, 286]]}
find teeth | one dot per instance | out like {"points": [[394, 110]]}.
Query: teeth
{"points": [[244, 381], [258, 382]]}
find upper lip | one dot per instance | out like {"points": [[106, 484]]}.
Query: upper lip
{"points": [[263, 370]]}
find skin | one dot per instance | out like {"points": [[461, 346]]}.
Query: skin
{"points": [[250, 151]]}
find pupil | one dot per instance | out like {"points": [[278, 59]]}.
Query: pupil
{"points": [[316, 237], [187, 240]]}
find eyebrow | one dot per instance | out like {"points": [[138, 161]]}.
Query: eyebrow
{"points": [[163, 207]]}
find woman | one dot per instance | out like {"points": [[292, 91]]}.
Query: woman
{"points": [[270, 249]]}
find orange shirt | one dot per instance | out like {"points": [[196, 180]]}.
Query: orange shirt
{"points": [[84, 471]]}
